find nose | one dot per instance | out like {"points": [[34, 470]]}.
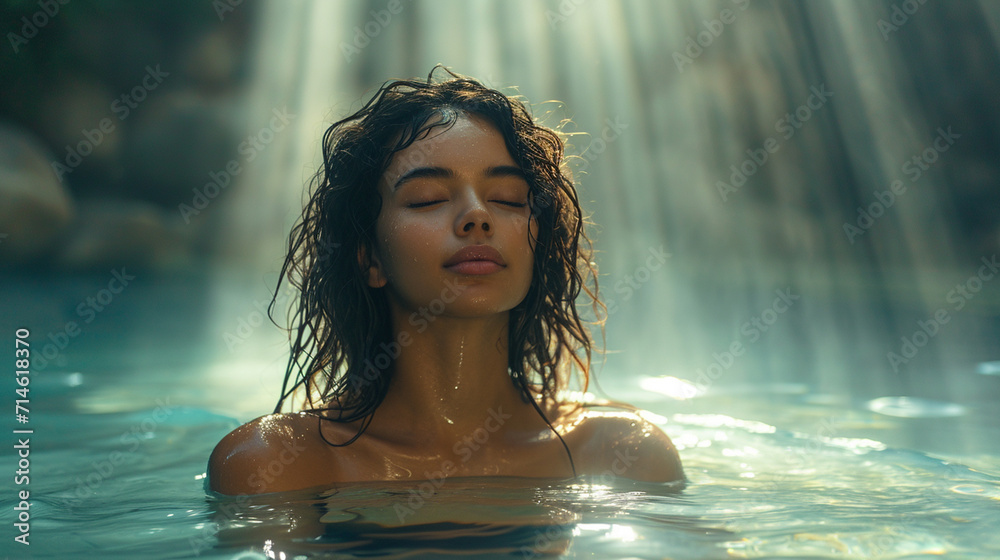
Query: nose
{"points": [[475, 215], [472, 225]]}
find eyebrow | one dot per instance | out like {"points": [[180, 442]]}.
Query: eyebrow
{"points": [[446, 173]]}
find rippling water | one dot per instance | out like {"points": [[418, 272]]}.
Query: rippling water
{"points": [[753, 491]]}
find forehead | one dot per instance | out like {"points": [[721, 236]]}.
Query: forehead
{"points": [[471, 143]]}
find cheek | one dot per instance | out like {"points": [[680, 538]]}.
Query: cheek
{"points": [[401, 241], [388, 239]]}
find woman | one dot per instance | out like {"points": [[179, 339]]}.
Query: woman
{"points": [[439, 263]]}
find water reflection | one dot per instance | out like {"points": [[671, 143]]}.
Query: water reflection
{"points": [[503, 516]]}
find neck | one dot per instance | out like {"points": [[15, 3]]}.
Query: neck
{"points": [[449, 379]]}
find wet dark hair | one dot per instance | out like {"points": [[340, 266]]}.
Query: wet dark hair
{"points": [[339, 324]]}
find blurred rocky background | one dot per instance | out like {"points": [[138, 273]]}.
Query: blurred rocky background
{"points": [[111, 112]]}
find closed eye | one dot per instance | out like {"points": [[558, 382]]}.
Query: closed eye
{"points": [[422, 204], [433, 202]]}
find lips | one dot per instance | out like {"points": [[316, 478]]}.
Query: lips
{"points": [[476, 253]]}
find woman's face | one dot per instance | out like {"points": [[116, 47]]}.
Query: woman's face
{"points": [[452, 188]]}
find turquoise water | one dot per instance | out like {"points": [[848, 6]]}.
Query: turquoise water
{"points": [[126, 417], [753, 492]]}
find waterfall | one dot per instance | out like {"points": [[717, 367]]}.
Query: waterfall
{"points": [[680, 100]]}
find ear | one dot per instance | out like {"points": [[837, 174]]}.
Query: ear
{"points": [[376, 276]]}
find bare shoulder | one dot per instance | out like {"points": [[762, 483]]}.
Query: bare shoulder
{"points": [[621, 442], [261, 456]]}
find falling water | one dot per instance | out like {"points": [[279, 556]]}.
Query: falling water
{"points": [[681, 102]]}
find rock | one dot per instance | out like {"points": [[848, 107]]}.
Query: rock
{"points": [[35, 208], [69, 118], [177, 139], [109, 233]]}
